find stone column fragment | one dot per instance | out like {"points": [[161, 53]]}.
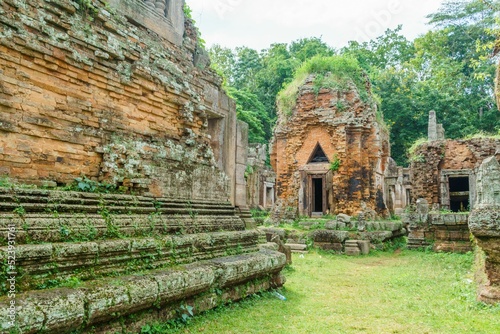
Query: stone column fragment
{"points": [[484, 223]]}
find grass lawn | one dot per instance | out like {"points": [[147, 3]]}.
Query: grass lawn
{"points": [[386, 292]]}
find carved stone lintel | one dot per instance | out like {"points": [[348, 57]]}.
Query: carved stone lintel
{"points": [[150, 3], [160, 6]]}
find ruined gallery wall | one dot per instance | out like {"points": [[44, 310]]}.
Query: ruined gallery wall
{"points": [[123, 99], [432, 158], [346, 128]]}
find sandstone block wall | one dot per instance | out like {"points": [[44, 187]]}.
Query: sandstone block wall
{"points": [[447, 232], [433, 160], [119, 92], [346, 129], [79, 84]]}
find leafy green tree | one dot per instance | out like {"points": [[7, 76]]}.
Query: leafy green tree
{"points": [[264, 74], [389, 49], [443, 70], [224, 62], [250, 110], [248, 64], [277, 69], [306, 48]]}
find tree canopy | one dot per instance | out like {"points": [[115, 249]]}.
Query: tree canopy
{"points": [[449, 69]]}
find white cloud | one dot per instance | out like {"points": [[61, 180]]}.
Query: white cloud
{"points": [[258, 23]]}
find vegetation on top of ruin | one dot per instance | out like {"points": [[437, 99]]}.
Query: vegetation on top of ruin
{"points": [[413, 148], [417, 144], [188, 15], [482, 134], [333, 72]]}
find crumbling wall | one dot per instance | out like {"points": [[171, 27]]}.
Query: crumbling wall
{"points": [[81, 81], [431, 158], [260, 179], [346, 128]]}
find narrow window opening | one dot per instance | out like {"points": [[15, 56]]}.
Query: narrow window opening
{"points": [[318, 155]]}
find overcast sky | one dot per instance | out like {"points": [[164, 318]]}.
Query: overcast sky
{"points": [[259, 23]]}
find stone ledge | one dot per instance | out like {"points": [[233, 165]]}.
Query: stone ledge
{"points": [[63, 310], [37, 228], [44, 262], [35, 200], [201, 302]]}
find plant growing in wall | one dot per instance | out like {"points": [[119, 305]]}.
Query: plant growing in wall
{"points": [[248, 171], [87, 8], [335, 164]]}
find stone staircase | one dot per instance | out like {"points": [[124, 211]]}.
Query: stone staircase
{"points": [[102, 263], [297, 246], [246, 216]]}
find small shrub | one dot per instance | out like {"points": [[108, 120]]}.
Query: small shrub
{"points": [[84, 184], [335, 164]]}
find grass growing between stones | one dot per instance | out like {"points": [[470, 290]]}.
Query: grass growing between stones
{"points": [[401, 292]]}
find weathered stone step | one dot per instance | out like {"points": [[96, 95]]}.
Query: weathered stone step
{"points": [[413, 243], [246, 216], [49, 262], [294, 241], [299, 247], [40, 200], [37, 228], [64, 310], [76, 205]]}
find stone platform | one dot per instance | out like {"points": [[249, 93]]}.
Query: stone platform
{"points": [[115, 262]]}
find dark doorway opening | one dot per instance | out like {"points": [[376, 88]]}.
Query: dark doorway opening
{"points": [[459, 193], [317, 195]]}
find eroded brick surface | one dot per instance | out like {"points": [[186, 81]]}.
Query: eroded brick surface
{"points": [[346, 129]]}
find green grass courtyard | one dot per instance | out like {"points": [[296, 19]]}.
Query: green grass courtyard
{"points": [[384, 292]]}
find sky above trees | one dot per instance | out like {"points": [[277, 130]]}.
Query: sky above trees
{"points": [[259, 23], [448, 68]]}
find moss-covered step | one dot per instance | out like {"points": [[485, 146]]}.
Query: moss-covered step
{"points": [[59, 264], [96, 302]]}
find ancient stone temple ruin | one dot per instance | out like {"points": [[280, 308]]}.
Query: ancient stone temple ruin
{"points": [[443, 176], [330, 152], [442, 171], [118, 93]]}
